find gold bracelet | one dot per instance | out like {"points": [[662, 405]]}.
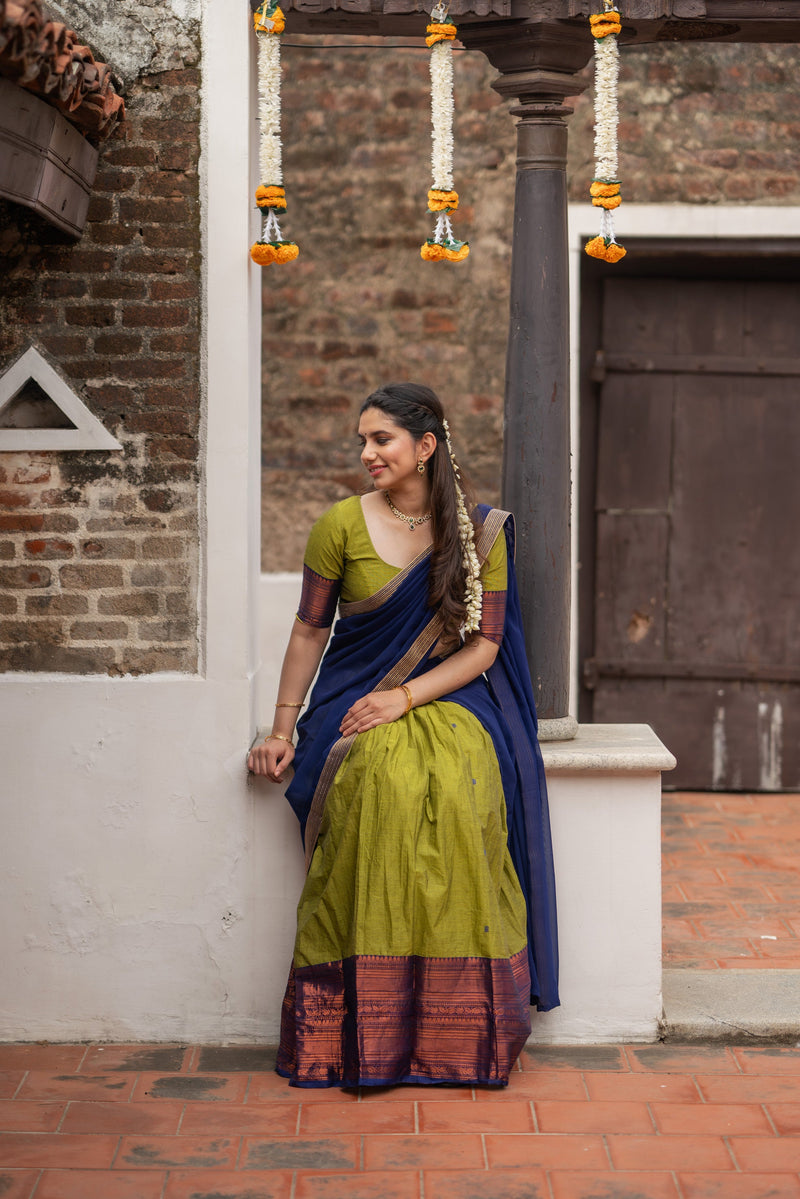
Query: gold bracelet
{"points": [[410, 703], [282, 705], [278, 737]]}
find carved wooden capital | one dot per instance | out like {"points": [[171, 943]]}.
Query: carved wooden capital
{"points": [[539, 61]]}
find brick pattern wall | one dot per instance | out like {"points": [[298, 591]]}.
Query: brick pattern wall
{"points": [[699, 124], [99, 550]]}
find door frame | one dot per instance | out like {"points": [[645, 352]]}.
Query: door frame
{"points": [[715, 234]]}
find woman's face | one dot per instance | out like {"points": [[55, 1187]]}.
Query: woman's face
{"points": [[388, 451]]}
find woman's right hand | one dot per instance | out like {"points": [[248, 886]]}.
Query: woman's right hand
{"points": [[271, 758]]}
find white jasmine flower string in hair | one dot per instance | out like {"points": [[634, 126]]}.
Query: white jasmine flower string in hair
{"points": [[442, 199], [605, 189], [269, 24], [473, 595]]}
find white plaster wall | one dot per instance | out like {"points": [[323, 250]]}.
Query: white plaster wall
{"points": [[146, 890], [607, 852]]}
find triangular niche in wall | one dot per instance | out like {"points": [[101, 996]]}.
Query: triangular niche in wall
{"points": [[40, 411]]}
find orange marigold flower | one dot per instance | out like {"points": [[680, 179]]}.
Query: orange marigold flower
{"points": [[264, 253], [600, 187], [442, 201], [614, 251], [440, 33], [270, 197], [607, 201], [605, 23], [432, 252], [278, 22], [457, 255]]}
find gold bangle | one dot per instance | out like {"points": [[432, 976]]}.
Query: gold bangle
{"points": [[278, 737], [283, 705], [410, 703]]}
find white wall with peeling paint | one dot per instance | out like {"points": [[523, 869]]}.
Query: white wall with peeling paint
{"points": [[147, 890]]}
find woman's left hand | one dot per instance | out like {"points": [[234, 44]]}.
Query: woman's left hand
{"points": [[379, 707]]}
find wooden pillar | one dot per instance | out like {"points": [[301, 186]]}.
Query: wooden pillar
{"points": [[538, 64]]}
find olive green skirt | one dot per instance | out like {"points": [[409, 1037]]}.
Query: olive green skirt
{"points": [[410, 962]]}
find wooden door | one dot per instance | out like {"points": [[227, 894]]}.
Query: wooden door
{"points": [[696, 524]]}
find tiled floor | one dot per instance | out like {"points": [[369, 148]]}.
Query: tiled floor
{"points": [[596, 1122], [731, 881], [599, 1122]]}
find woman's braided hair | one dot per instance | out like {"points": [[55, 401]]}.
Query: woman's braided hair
{"points": [[418, 410]]}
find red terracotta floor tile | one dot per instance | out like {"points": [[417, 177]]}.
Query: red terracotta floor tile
{"points": [[100, 1184], [480, 1184], [549, 1151], [397, 1184], [391, 1116], [539, 1084], [748, 1088], [766, 1154], [386, 1152], [770, 1059], [598, 1116], [18, 1116], [481, 1116], [200, 1088], [52, 1058], [17, 1184], [682, 1059], [610, 1184], [44, 1086], [669, 1153], [269, 1088], [739, 1186], [760, 963], [301, 1153], [786, 1117], [137, 1118], [737, 949], [167, 1153], [734, 925], [668, 1088], [100, 1058], [234, 1119], [9, 1083], [573, 1057], [723, 1118], [228, 1184], [40, 1150], [433, 1093], [680, 930]]}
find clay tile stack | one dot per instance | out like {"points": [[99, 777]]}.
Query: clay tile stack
{"points": [[46, 57]]}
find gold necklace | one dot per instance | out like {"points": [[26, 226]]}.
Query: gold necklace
{"points": [[411, 521]]}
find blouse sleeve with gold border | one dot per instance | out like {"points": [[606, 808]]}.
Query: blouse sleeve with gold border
{"points": [[494, 577], [323, 568]]}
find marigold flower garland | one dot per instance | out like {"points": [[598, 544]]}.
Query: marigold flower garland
{"points": [[269, 23], [442, 199], [605, 188], [473, 595]]}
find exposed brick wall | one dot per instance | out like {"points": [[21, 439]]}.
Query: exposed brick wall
{"points": [[699, 124], [99, 550]]}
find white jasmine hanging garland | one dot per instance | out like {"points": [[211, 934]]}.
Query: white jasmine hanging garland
{"points": [[442, 199], [605, 189], [269, 24]]}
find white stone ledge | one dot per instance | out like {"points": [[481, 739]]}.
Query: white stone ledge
{"points": [[608, 749]]}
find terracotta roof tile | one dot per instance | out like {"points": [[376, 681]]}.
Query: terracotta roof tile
{"points": [[46, 57]]}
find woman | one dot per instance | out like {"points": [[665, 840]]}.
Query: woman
{"points": [[427, 920]]}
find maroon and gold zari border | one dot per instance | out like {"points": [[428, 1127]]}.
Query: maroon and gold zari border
{"points": [[375, 1021]]}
